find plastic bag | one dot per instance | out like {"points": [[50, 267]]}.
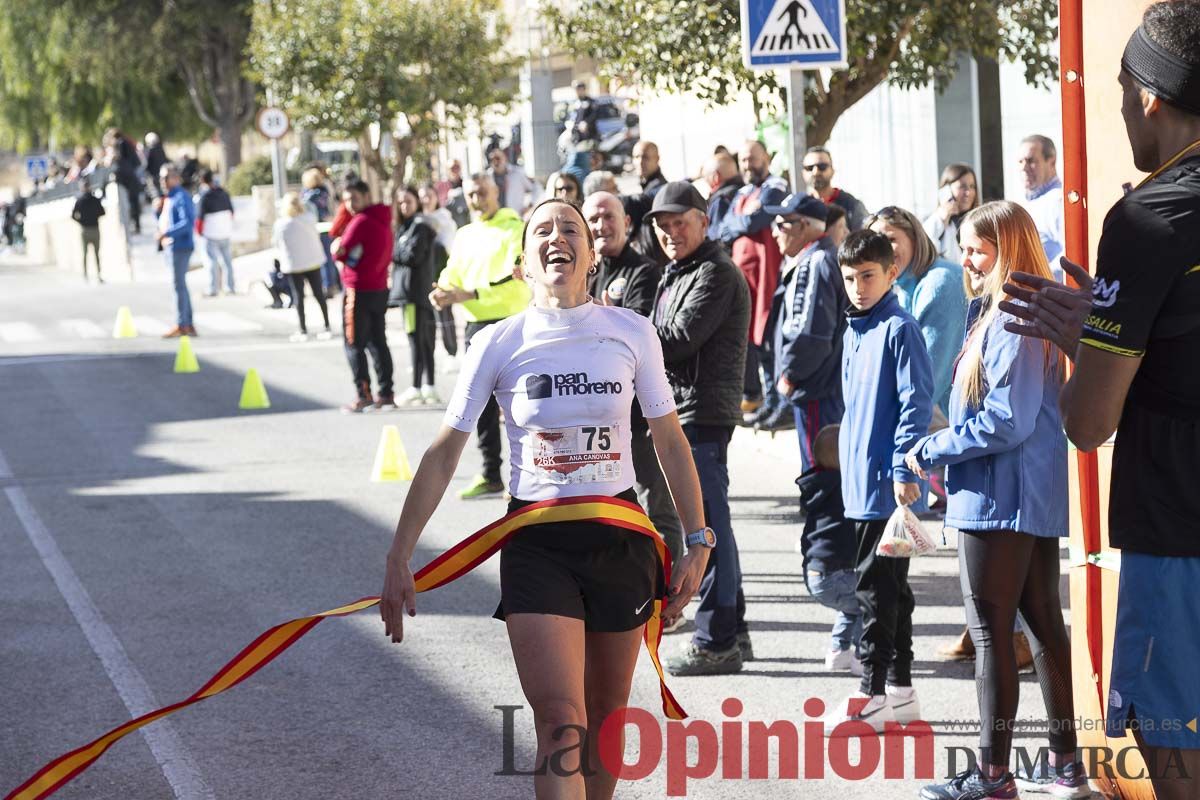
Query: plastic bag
{"points": [[904, 536]]}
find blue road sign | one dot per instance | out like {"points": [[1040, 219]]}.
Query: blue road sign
{"points": [[37, 167], [796, 34]]}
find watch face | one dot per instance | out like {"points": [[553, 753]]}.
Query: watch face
{"points": [[710, 537]]}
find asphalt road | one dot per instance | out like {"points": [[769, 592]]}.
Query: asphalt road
{"points": [[149, 530]]}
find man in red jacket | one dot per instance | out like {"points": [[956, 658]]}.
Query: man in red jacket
{"points": [[365, 253]]}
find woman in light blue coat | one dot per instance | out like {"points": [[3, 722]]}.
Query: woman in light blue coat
{"points": [[929, 288], [1005, 455]]}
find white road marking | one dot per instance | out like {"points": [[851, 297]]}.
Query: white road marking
{"points": [[223, 322], [84, 329], [17, 332], [172, 755], [150, 326]]}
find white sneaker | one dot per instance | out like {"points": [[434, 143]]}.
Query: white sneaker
{"points": [[874, 710], [325, 335], [429, 396], [905, 705], [843, 661], [298, 337], [409, 397]]}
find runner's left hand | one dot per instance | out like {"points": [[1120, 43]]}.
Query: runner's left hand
{"points": [[685, 580]]}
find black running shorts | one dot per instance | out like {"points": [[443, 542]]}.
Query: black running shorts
{"points": [[606, 576]]}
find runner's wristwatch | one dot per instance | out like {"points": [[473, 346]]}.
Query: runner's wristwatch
{"points": [[705, 537]]}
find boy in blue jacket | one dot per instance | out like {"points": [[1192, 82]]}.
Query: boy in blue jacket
{"points": [[887, 386]]}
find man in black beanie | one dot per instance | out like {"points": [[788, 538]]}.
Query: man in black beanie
{"points": [[1134, 334]]}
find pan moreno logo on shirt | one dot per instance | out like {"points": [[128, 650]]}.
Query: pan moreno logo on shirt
{"points": [[570, 384]]}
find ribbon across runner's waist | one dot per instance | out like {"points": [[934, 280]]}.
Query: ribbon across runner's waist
{"points": [[452, 564]]}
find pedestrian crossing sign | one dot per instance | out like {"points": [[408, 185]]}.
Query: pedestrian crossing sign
{"points": [[797, 34]]}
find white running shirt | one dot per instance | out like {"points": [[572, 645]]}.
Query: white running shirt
{"points": [[566, 379]]}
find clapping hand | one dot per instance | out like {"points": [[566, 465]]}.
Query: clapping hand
{"points": [[1050, 310]]}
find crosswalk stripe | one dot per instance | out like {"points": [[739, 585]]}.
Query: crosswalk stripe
{"points": [[224, 322], [149, 326], [83, 329], [16, 332]]}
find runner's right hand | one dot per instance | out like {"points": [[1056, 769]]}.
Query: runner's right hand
{"points": [[399, 595]]}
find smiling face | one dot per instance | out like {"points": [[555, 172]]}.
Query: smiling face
{"points": [[482, 196], [867, 283], [756, 164], [964, 192], [680, 234], [902, 244], [608, 222], [558, 253], [978, 257]]}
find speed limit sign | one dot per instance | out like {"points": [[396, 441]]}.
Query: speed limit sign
{"points": [[273, 123]]}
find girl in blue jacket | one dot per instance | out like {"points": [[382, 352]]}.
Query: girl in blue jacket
{"points": [[1005, 455]]}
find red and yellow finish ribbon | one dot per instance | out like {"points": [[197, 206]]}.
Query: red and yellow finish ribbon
{"points": [[452, 564]]}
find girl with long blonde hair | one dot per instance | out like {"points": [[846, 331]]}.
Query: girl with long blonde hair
{"points": [[1005, 455]]}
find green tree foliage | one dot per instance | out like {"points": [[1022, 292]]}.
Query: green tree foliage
{"points": [[72, 67], [60, 80], [696, 46], [339, 66]]}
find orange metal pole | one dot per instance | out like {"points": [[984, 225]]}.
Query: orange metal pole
{"points": [[1074, 120]]}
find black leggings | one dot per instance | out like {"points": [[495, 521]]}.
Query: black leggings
{"points": [[420, 346], [1003, 572], [313, 278]]}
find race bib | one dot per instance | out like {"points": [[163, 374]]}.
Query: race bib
{"points": [[583, 454]]}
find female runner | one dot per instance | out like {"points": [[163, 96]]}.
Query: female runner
{"points": [[565, 372]]}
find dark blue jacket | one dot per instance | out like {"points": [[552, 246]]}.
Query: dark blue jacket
{"points": [[828, 542], [808, 321], [887, 386]]}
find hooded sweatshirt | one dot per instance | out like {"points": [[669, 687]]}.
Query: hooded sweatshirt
{"points": [[366, 249]]}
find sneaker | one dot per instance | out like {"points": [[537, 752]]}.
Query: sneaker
{"points": [[298, 336], [385, 402], [905, 705], [745, 647], [481, 487], [843, 661], [1066, 782], [359, 406], [781, 420], [972, 785], [409, 397], [961, 649], [700, 661], [325, 335], [175, 332], [674, 626], [188, 330], [430, 397], [874, 710]]}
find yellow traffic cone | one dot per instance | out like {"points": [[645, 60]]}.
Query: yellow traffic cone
{"points": [[254, 394], [124, 327], [185, 359], [391, 460]]}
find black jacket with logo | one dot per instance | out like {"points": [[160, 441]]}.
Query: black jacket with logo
{"points": [[630, 279], [702, 313]]}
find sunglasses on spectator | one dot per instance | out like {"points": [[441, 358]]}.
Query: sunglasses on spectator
{"points": [[821, 167]]}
